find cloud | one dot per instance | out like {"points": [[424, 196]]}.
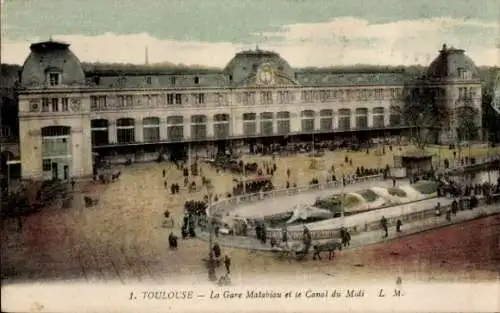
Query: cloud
{"points": [[341, 41]]}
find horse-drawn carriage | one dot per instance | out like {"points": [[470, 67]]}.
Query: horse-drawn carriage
{"points": [[296, 250], [299, 251]]}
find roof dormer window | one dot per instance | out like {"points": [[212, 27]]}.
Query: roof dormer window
{"points": [[54, 79]]}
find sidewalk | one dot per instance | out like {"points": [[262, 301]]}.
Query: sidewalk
{"points": [[366, 238]]}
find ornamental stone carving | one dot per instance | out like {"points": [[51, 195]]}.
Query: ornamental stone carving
{"points": [[34, 105], [76, 104]]}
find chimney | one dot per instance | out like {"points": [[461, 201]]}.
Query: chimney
{"points": [[444, 47]]}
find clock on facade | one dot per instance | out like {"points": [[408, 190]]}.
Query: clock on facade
{"points": [[266, 74]]}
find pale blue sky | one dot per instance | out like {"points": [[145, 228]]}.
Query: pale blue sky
{"points": [[207, 26]]}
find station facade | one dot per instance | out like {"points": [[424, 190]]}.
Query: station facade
{"points": [[67, 115]]}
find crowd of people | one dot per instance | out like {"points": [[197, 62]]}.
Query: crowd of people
{"points": [[196, 209]]}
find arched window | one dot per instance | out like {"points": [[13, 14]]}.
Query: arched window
{"points": [[361, 118], [221, 126], [56, 152], [283, 121], [326, 120], [198, 127], [151, 129], [378, 117], [266, 124], [175, 128], [344, 119], [249, 124], [394, 116], [307, 121], [100, 132], [125, 130]]}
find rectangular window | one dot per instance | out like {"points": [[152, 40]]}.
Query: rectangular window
{"points": [[170, 98], [102, 102], [248, 98], [120, 102], [54, 79], [45, 105], [55, 104], [64, 105], [284, 96], [129, 101], [172, 80], [200, 98], [307, 96], [148, 80], [266, 97], [178, 98], [94, 103], [47, 165]]}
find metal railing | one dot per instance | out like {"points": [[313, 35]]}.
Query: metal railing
{"points": [[223, 205], [334, 233]]}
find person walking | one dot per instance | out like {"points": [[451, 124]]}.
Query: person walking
{"points": [[398, 225], [348, 238], [343, 236], [227, 264], [217, 251], [306, 238], [284, 235], [383, 223]]}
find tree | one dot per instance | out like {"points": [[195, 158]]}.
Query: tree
{"points": [[467, 127], [424, 115]]}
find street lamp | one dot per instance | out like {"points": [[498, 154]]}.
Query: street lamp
{"points": [[211, 261], [342, 194]]}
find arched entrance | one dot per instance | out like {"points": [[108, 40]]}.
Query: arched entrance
{"points": [[283, 121], [56, 152], [307, 121], [100, 130]]}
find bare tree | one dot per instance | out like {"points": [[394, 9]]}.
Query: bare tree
{"points": [[424, 115]]}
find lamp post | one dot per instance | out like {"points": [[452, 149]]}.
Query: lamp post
{"points": [[211, 261], [488, 157], [342, 194]]}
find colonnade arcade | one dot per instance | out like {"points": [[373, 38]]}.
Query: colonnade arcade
{"points": [[175, 128]]}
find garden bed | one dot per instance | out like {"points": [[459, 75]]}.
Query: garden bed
{"points": [[368, 195], [394, 191], [426, 187]]}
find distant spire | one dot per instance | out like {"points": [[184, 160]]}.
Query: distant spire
{"points": [[146, 56], [50, 38]]}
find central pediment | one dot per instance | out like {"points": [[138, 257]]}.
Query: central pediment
{"points": [[256, 80]]}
